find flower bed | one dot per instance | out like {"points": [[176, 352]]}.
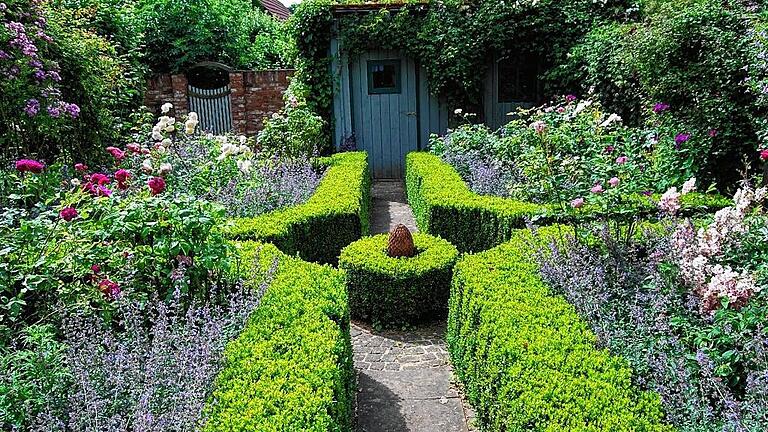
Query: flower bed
{"points": [[291, 368], [393, 291], [335, 216], [444, 206], [526, 358]]}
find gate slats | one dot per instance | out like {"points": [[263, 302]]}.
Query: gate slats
{"points": [[213, 107]]}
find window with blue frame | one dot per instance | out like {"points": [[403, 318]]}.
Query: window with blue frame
{"points": [[384, 76]]}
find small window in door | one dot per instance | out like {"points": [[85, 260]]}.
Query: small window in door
{"points": [[518, 79], [383, 76]]}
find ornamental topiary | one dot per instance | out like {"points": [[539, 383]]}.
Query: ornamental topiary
{"points": [[391, 292]]}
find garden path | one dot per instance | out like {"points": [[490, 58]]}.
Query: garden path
{"points": [[390, 207], [404, 378]]}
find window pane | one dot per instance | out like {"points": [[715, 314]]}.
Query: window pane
{"points": [[518, 79], [383, 76]]}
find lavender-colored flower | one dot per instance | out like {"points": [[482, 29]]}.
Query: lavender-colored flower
{"points": [[54, 111], [73, 110], [660, 107], [32, 107], [681, 138], [4, 55]]}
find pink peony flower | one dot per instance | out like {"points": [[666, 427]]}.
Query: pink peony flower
{"points": [[577, 203], [29, 165], [763, 155], [81, 167], [614, 181], [68, 213], [156, 184], [621, 160], [116, 153], [122, 177], [96, 268], [134, 148], [597, 188], [609, 149], [99, 179]]}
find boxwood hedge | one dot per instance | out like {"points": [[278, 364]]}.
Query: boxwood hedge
{"points": [[336, 214], [394, 291], [291, 367], [527, 360], [443, 205]]}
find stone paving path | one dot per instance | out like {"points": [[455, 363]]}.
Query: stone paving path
{"points": [[390, 207], [405, 383], [404, 378]]}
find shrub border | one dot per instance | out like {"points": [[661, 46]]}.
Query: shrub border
{"points": [[527, 360], [291, 367], [443, 205], [334, 216]]}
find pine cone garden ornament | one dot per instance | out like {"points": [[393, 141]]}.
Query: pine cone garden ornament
{"points": [[400, 243]]}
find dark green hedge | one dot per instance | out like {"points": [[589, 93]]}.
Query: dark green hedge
{"points": [[443, 205], [291, 367], [527, 360], [336, 215], [395, 291]]}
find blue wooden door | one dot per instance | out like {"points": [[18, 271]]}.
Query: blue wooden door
{"points": [[384, 110]]}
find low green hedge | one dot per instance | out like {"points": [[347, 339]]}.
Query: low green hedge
{"points": [[291, 368], [443, 205], [336, 214], [394, 291], [527, 360]]}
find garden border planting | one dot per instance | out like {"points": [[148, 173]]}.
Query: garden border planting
{"points": [[392, 291], [336, 215], [291, 367], [443, 205], [526, 358]]}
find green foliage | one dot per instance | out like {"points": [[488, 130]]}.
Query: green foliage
{"points": [[31, 372], [528, 362], [295, 131], [234, 32], [144, 244], [691, 55], [291, 368], [444, 206], [97, 74], [335, 216], [395, 291]]}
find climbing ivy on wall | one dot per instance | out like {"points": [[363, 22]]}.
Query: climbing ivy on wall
{"points": [[453, 39]]}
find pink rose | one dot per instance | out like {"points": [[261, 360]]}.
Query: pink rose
{"points": [[96, 268], [134, 148], [614, 181], [621, 160], [81, 167], [109, 288], [577, 203], [597, 188], [763, 155]]}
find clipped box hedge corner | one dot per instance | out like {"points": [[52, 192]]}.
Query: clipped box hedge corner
{"points": [[395, 291], [336, 214], [443, 205], [527, 360], [291, 367]]}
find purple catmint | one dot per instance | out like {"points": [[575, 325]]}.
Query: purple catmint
{"points": [[152, 367]]}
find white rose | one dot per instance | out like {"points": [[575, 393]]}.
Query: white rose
{"points": [[166, 142], [244, 165], [157, 136], [165, 168], [166, 107], [146, 166], [192, 116]]}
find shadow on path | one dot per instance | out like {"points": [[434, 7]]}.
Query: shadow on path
{"points": [[390, 207]]}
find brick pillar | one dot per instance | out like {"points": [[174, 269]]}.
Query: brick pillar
{"points": [[237, 101], [179, 86]]}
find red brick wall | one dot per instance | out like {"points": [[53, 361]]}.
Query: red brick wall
{"points": [[255, 96]]}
